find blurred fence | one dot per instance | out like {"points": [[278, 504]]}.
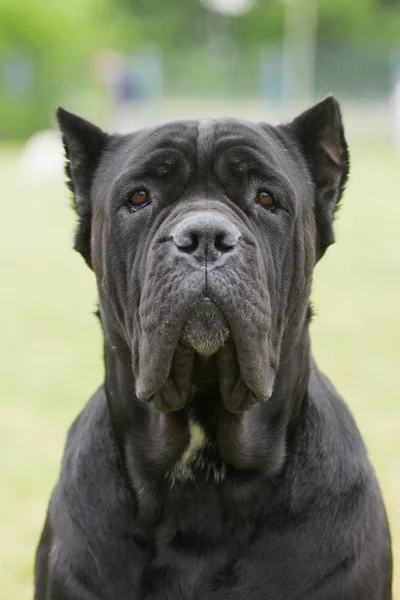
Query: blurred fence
{"points": [[352, 72], [30, 90]]}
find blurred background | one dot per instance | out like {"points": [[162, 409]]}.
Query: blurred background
{"points": [[127, 63]]}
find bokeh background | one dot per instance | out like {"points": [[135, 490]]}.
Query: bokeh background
{"points": [[126, 63]]}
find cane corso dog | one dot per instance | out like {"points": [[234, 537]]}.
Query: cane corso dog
{"points": [[216, 462]]}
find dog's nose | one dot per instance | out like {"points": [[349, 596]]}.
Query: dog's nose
{"points": [[205, 236]]}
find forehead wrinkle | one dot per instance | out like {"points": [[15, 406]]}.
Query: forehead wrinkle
{"points": [[246, 139], [205, 143], [239, 129], [175, 135]]}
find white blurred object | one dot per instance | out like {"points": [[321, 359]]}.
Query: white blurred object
{"points": [[234, 8], [41, 160], [396, 113]]}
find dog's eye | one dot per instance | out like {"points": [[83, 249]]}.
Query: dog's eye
{"points": [[266, 199], [138, 199]]}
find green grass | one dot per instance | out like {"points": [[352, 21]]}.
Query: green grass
{"points": [[50, 346]]}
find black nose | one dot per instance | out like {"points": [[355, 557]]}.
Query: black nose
{"points": [[206, 236]]}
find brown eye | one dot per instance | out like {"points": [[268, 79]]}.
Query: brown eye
{"points": [[266, 199], [138, 199]]}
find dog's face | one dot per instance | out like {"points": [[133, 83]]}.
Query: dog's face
{"points": [[203, 236]]}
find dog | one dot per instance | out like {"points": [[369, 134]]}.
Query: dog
{"points": [[216, 461]]}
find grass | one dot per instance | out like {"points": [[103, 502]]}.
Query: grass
{"points": [[50, 346]]}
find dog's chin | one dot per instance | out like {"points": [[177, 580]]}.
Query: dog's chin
{"points": [[206, 329]]}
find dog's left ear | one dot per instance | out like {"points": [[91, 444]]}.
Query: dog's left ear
{"points": [[320, 134], [83, 144]]}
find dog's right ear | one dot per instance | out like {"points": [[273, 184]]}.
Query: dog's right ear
{"points": [[83, 144]]}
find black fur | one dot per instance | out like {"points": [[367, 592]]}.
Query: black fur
{"points": [[240, 475]]}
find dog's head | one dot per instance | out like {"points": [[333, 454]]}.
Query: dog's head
{"points": [[203, 235]]}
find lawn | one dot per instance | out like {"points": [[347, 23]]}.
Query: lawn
{"points": [[50, 346]]}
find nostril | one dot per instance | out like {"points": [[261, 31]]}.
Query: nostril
{"points": [[224, 243], [186, 242]]}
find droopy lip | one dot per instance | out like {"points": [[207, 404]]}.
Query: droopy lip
{"points": [[241, 384]]}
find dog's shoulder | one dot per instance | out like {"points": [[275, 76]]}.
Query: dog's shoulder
{"points": [[330, 439], [330, 474], [91, 514], [89, 440], [333, 424], [91, 474]]}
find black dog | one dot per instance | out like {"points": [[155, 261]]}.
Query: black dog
{"points": [[216, 462]]}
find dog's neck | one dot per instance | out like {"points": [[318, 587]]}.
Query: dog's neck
{"points": [[152, 443]]}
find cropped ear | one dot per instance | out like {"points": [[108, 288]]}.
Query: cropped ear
{"points": [[83, 144], [320, 134]]}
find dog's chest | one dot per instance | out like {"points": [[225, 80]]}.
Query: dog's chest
{"points": [[200, 539], [197, 553]]}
